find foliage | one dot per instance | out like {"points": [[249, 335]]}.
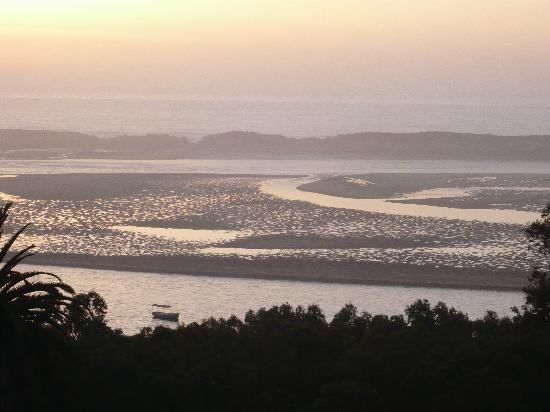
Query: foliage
{"points": [[31, 308], [85, 315], [284, 358], [538, 232], [26, 296], [537, 292]]}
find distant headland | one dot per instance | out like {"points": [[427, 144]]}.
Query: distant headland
{"points": [[47, 144]]}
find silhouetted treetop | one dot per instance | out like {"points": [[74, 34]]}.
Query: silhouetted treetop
{"points": [[538, 232]]}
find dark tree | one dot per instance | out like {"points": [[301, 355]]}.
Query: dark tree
{"points": [[35, 297], [31, 305], [538, 232], [537, 296], [85, 315], [537, 292]]}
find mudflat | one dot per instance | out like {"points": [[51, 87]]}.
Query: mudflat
{"points": [[90, 221], [516, 191]]}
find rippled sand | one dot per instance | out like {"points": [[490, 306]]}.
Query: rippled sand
{"points": [[78, 217]]}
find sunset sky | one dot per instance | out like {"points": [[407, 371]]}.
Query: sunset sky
{"points": [[410, 50]]}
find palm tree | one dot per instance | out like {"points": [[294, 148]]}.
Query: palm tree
{"points": [[28, 298], [31, 312]]}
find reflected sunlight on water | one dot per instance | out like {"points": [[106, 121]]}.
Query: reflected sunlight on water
{"points": [[131, 294], [288, 189], [185, 235]]}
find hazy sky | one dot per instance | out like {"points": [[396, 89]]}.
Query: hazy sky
{"points": [[412, 50]]}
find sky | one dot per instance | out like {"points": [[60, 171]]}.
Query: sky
{"points": [[372, 50]]}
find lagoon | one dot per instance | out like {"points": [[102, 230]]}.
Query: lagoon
{"points": [[131, 294]]}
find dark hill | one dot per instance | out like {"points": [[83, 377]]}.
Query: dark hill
{"points": [[146, 143], [439, 145], [247, 143], [426, 145], [45, 139]]}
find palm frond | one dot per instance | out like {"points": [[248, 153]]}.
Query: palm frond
{"points": [[27, 296], [25, 289], [16, 259], [13, 278], [7, 246]]}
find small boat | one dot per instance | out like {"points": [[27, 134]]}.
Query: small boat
{"points": [[169, 316], [161, 306]]}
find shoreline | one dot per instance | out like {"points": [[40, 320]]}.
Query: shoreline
{"points": [[297, 191], [212, 202], [359, 273]]}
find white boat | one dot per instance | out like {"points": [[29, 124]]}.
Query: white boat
{"points": [[170, 316]]}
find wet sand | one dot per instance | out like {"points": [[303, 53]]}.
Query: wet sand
{"points": [[296, 190], [367, 273], [90, 186], [504, 191], [76, 218]]}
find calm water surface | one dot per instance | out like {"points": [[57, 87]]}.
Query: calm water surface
{"points": [[198, 117], [131, 294], [268, 167], [289, 189]]}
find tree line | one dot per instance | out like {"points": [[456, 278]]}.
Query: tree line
{"points": [[57, 352]]}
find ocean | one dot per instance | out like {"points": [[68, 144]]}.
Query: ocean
{"points": [[196, 118]]}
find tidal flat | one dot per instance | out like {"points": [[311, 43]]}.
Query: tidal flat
{"points": [[226, 225]]}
